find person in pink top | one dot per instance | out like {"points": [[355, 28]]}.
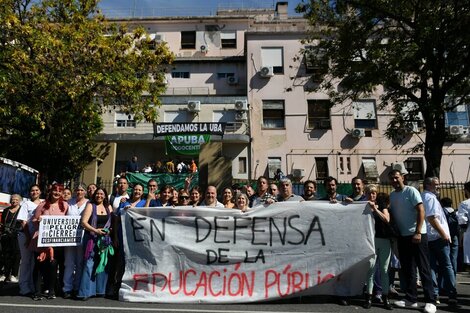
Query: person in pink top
{"points": [[49, 259]]}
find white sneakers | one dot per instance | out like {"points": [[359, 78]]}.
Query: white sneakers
{"points": [[13, 279], [405, 304], [430, 308]]}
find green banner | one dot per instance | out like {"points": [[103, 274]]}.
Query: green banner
{"points": [[185, 144], [175, 180]]}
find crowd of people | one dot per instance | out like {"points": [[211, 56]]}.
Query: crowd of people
{"points": [[415, 233], [170, 166]]}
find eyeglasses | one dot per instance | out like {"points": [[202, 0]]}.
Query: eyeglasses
{"points": [[183, 197]]}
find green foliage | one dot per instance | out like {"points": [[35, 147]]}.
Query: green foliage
{"points": [[61, 64], [417, 50]]}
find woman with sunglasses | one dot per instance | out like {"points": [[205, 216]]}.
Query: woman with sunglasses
{"points": [[183, 198]]}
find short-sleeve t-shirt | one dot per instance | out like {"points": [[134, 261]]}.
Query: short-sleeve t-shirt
{"points": [[403, 209], [434, 208]]}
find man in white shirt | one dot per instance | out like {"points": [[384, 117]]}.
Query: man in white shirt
{"points": [[463, 214], [438, 239], [121, 194], [210, 198]]}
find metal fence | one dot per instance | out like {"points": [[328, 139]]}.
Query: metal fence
{"points": [[453, 191]]}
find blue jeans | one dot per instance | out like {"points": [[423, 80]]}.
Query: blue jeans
{"points": [[441, 265]]}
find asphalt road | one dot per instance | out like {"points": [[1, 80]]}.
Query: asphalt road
{"points": [[11, 303]]}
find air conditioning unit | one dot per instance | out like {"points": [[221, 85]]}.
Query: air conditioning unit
{"points": [[358, 132], [194, 106], [203, 48], [159, 38], [241, 116], [266, 71], [456, 130], [298, 172], [232, 80], [241, 105]]}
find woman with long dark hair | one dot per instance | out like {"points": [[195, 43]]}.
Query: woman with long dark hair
{"points": [[96, 220], [26, 282], [74, 254]]}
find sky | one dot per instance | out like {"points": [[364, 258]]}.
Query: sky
{"points": [[141, 8]]}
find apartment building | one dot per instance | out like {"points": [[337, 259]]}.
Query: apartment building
{"points": [[243, 68]]}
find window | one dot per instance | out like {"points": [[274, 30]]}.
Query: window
{"points": [[273, 57], [319, 114], [414, 166], [344, 165], [274, 163], [125, 120], [225, 116], [315, 60], [225, 75], [321, 168], [228, 39], [273, 114], [458, 116], [188, 40], [177, 117], [364, 114], [242, 165], [180, 75], [370, 169]]}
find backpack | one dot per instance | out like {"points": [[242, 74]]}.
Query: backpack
{"points": [[453, 222]]}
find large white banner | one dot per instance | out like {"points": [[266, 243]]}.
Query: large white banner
{"points": [[201, 254], [60, 231]]}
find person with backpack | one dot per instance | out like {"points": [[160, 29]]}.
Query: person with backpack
{"points": [[454, 229]]}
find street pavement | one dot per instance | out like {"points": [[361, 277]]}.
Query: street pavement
{"points": [[10, 302]]}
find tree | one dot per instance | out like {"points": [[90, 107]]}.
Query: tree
{"points": [[417, 50], [61, 65]]}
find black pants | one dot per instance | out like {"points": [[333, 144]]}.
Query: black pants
{"points": [[414, 255], [10, 254], [47, 269]]}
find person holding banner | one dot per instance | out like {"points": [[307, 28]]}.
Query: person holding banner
{"points": [[210, 200], [25, 215], [135, 201], [49, 259], [74, 254], [378, 204], [195, 195], [285, 191], [242, 202], [227, 198], [183, 197], [165, 199], [262, 195], [96, 220]]}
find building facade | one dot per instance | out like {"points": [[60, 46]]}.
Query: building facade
{"points": [[244, 68]]}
